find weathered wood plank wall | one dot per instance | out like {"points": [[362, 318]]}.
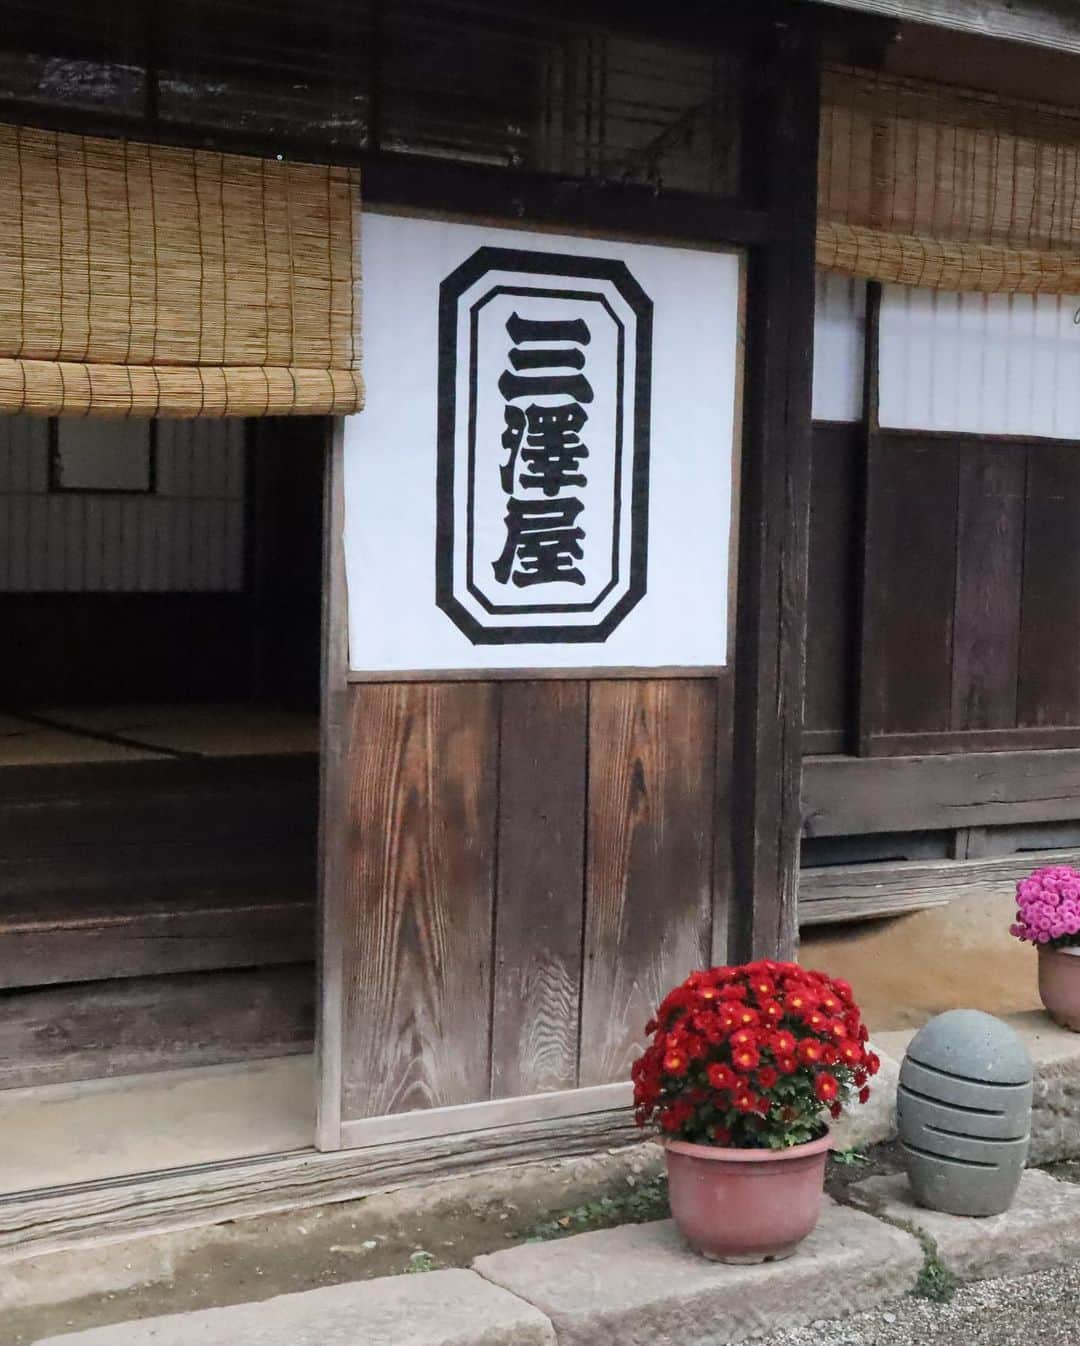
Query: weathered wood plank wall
{"points": [[516, 869], [969, 638], [533, 864]]}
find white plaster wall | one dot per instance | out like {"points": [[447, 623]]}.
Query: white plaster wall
{"points": [[980, 364], [839, 342]]}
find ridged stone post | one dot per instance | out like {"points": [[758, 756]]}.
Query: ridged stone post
{"points": [[964, 1113]]}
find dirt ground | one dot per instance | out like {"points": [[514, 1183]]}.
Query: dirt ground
{"points": [[908, 968], [444, 1224]]}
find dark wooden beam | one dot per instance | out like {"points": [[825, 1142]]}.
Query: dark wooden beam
{"points": [[572, 202], [771, 633], [845, 796]]}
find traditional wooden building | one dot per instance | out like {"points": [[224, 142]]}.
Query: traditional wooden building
{"points": [[411, 464]]}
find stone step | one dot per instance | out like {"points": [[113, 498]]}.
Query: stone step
{"points": [[639, 1285], [1040, 1230], [436, 1308]]}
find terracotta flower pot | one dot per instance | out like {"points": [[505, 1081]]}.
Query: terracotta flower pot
{"points": [[1059, 985], [745, 1205]]}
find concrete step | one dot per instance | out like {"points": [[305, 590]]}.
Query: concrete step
{"points": [[640, 1285], [437, 1308], [1040, 1230]]}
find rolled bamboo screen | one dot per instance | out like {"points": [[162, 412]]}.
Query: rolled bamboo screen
{"points": [[152, 281], [949, 188]]}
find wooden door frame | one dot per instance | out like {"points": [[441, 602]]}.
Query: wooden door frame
{"points": [[762, 813]]}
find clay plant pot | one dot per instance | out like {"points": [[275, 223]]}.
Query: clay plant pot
{"points": [[1059, 985], [745, 1205]]}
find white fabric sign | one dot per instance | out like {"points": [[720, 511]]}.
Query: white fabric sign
{"points": [[542, 475]]}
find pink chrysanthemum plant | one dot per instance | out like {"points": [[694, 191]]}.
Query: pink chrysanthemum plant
{"points": [[1048, 908]]}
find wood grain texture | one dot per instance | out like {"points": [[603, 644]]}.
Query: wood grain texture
{"points": [[1049, 690], [976, 740], [417, 922], [989, 567], [126, 870], [539, 900], [857, 892], [906, 679], [852, 795], [80, 942], [98, 1030], [649, 860], [832, 591], [770, 645], [334, 850], [724, 916]]}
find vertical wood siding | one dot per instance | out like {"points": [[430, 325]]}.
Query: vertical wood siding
{"points": [[839, 343], [980, 364], [944, 573], [971, 619], [836, 467], [531, 865], [188, 535]]}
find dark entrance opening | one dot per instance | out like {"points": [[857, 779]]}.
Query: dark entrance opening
{"points": [[160, 597]]}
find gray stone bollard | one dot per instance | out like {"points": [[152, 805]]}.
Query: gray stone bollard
{"points": [[963, 1109]]}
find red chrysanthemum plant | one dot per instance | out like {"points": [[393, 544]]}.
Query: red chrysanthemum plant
{"points": [[753, 1057]]}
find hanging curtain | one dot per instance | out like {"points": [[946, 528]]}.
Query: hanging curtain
{"points": [[936, 186], [152, 281]]}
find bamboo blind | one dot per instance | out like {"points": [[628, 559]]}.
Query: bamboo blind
{"points": [[943, 187], [153, 281]]}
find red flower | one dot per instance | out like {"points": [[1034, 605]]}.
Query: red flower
{"points": [[745, 1058], [722, 1077], [783, 1043], [835, 1111], [721, 1043], [801, 1001], [864, 1094]]}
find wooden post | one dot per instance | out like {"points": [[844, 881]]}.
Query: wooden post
{"points": [[771, 634]]}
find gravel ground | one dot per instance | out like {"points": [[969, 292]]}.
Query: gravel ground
{"points": [[1039, 1310]]}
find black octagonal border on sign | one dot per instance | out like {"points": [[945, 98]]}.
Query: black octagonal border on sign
{"points": [[555, 265]]}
